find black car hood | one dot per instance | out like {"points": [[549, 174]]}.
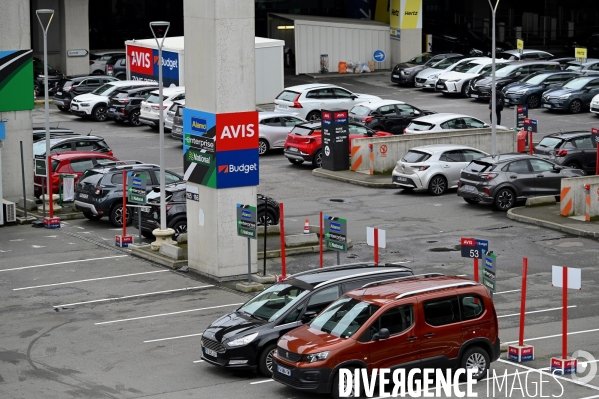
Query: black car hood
{"points": [[234, 324], [405, 65], [561, 92], [486, 81], [519, 86]]}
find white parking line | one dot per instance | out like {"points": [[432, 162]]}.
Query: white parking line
{"points": [[591, 397], [535, 311], [261, 382], [131, 296], [198, 361], [167, 314], [62, 263], [549, 374], [169, 338], [89, 279], [554, 336], [506, 292]]}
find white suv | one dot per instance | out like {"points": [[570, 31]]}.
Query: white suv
{"points": [[149, 113], [97, 61], [306, 101], [95, 104]]}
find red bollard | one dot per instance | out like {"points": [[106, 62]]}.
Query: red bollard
{"points": [[320, 240], [530, 147], [124, 240], [522, 352], [282, 223], [376, 246], [476, 269]]}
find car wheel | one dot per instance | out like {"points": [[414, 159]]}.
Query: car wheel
{"points": [[575, 106], [437, 185], [465, 89], [265, 364], [295, 161], [99, 113], [270, 218], [134, 118], [98, 72], [121, 77], [477, 359], [573, 165], [335, 387], [317, 160], [533, 101], [63, 109], [91, 216], [263, 147], [313, 116], [504, 199], [180, 227], [472, 201], [116, 216]]}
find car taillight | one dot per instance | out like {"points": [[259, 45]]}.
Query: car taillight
{"points": [[488, 176], [296, 103], [487, 192], [124, 100], [55, 179], [91, 62], [367, 119], [157, 107], [72, 88], [459, 184], [405, 130], [98, 191], [109, 67], [421, 167], [561, 153], [168, 207]]}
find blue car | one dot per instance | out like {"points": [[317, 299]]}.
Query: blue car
{"points": [[529, 90], [574, 96]]}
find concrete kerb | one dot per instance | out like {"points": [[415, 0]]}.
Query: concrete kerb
{"points": [[360, 179], [50, 101], [145, 252], [381, 72], [513, 215]]}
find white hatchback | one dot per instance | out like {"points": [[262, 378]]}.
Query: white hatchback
{"points": [[149, 113], [443, 122], [307, 100]]}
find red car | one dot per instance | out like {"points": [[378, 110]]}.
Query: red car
{"points": [[73, 163], [304, 142]]}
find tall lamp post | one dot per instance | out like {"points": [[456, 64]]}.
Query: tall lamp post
{"points": [[493, 88], [46, 103], [159, 30]]}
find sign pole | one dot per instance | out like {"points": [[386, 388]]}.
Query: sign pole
{"points": [[476, 269], [523, 300], [124, 213], [530, 148], [249, 261], [50, 189], [338, 258], [565, 313], [139, 220], [265, 231], [43, 193], [376, 246], [282, 222], [320, 240]]}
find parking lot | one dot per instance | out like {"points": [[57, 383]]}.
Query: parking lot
{"points": [[85, 319]]}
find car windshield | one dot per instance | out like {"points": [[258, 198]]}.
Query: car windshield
{"points": [[39, 147], [344, 317], [420, 59], [154, 98], [535, 79], [444, 63], [507, 56], [415, 156], [288, 95], [467, 66], [500, 70], [91, 177], [575, 84], [105, 89], [550, 142], [272, 303], [419, 126], [360, 110]]}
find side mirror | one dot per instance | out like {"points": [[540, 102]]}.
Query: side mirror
{"points": [[518, 74], [416, 112], [353, 96], [383, 334], [486, 125], [308, 316], [557, 169]]}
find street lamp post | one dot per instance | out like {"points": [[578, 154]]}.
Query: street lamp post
{"points": [[161, 27], [493, 88], [46, 104]]}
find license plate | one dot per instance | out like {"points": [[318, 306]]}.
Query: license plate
{"points": [[474, 95], [284, 370], [419, 84], [440, 86], [176, 129], [59, 93], [111, 109], [146, 109], [507, 100], [145, 209], [469, 188], [210, 352], [82, 195], [396, 76], [547, 105], [282, 106], [292, 149], [398, 178], [74, 106]]}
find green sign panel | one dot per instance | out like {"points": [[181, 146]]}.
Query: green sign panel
{"points": [[489, 271], [136, 188], [246, 221], [335, 233]]}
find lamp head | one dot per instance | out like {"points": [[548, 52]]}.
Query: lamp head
{"points": [[159, 28]]}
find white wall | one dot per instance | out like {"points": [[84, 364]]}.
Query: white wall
{"points": [[269, 74]]}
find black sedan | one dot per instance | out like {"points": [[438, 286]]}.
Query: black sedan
{"points": [[529, 90], [574, 96], [176, 210], [504, 180], [405, 73]]}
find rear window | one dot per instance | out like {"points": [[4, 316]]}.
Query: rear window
{"points": [[120, 94], [415, 156], [301, 131], [91, 177], [153, 98], [360, 110], [55, 165], [551, 142], [420, 126], [67, 83], [477, 167], [287, 95]]}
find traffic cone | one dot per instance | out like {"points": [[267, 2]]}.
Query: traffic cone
{"points": [[306, 227]]}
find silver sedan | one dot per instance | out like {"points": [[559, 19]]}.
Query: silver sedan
{"points": [[435, 168], [274, 128]]}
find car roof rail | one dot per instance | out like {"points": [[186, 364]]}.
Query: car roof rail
{"points": [[133, 165], [113, 163], [333, 268], [358, 275], [392, 280], [441, 287]]}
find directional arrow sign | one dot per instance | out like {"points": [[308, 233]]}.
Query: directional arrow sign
{"points": [[379, 55]]}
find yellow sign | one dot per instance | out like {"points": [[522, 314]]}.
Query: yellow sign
{"points": [[580, 52], [382, 12], [394, 20], [520, 44], [411, 14]]}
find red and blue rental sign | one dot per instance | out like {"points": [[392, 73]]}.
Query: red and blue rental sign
{"points": [[143, 64], [474, 248]]}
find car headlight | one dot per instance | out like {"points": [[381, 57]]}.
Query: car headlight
{"points": [[315, 357], [454, 80], [242, 341], [523, 91], [84, 104], [564, 97], [434, 76]]}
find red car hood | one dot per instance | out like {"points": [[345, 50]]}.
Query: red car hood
{"points": [[304, 340]]}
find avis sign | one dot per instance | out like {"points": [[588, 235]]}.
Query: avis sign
{"points": [[474, 248], [143, 64], [220, 150]]}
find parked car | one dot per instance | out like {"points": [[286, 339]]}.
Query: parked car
{"points": [[304, 143], [98, 60], [443, 122], [39, 133], [508, 178], [71, 163], [117, 67], [307, 100], [100, 190], [247, 337], [457, 80], [427, 78], [69, 88], [563, 62], [595, 105], [529, 90], [95, 104], [273, 129], [574, 96], [430, 321], [527, 54], [124, 105], [177, 130], [405, 73], [72, 143], [480, 87], [150, 115], [176, 210], [591, 65], [54, 77], [386, 115], [435, 168], [170, 114], [575, 150]]}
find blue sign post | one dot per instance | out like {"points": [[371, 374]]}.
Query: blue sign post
{"points": [[379, 55]]}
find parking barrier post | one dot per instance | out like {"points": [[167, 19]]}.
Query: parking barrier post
{"points": [[124, 213], [320, 240], [476, 269], [282, 222], [371, 150], [587, 199], [565, 313], [522, 352], [376, 246]]}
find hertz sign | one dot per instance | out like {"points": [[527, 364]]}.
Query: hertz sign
{"points": [[221, 150]]}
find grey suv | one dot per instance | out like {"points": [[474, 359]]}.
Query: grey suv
{"points": [[576, 150], [508, 178], [99, 191]]}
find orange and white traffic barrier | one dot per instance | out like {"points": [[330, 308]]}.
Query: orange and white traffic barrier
{"points": [[587, 200], [307, 227], [566, 201], [370, 147], [356, 160]]}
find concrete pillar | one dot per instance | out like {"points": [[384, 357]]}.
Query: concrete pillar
{"points": [[219, 78], [74, 35], [15, 34], [409, 45]]}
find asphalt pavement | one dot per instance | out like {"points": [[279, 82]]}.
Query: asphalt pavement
{"points": [[82, 318]]}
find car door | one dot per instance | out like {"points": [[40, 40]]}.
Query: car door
{"points": [[270, 129], [407, 113], [452, 162], [547, 178], [343, 98], [391, 119], [587, 151], [590, 90], [521, 177]]}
